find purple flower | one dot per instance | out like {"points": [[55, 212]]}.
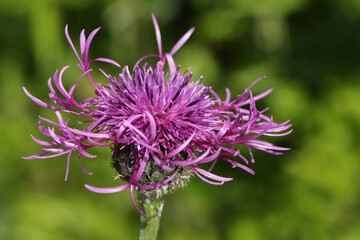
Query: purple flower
{"points": [[157, 123]]}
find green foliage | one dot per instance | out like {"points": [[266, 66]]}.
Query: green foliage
{"points": [[309, 52]]}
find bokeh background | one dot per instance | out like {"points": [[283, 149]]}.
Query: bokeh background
{"points": [[309, 49]]}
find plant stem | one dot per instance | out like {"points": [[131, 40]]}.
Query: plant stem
{"points": [[153, 209]]}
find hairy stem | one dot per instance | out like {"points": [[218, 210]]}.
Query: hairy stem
{"points": [[153, 209]]}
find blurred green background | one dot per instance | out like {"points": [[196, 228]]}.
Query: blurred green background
{"points": [[308, 49]]}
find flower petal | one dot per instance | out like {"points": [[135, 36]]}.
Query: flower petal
{"points": [[182, 41], [180, 148], [157, 33], [107, 190]]}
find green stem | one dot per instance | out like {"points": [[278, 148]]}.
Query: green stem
{"points": [[153, 209]]}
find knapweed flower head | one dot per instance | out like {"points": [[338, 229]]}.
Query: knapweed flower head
{"points": [[162, 127]]}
